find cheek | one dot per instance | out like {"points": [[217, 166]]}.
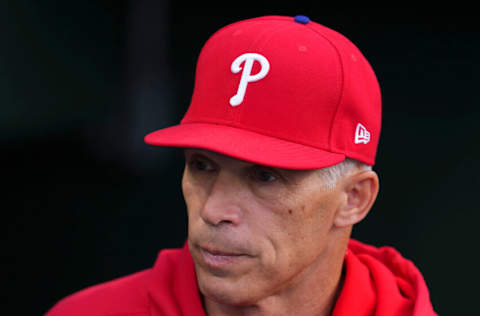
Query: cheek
{"points": [[194, 200], [193, 193], [280, 234], [302, 231]]}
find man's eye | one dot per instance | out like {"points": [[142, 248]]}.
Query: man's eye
{"points": [[264, 175], [200, 165]]}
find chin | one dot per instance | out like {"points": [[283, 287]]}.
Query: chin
{"points": [[226, 291]]}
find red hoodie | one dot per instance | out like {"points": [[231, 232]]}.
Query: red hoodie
{"points": [[378, 282]]}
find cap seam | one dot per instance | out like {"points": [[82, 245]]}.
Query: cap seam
{"points": [[342, 87]]}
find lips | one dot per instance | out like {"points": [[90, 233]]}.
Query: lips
{"points": [[215, 258]]}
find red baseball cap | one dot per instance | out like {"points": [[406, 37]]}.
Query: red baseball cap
{"points": [[283, 92]]}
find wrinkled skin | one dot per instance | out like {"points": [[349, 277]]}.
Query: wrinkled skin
{"points": [[262, 237]]}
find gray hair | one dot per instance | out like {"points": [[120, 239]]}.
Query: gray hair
{"points": [[332, 174]]}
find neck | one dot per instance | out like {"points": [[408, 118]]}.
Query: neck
{"points": [[313, 292]]}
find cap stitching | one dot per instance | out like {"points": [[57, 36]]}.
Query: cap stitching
{"points": [[342, 87]]}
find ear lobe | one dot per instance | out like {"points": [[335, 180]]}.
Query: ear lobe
{"points": [[360, 190]]}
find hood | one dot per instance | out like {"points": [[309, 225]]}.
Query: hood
{"points": [[379, 281]]}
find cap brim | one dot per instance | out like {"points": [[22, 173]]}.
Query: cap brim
{"points": [[244, 145]]}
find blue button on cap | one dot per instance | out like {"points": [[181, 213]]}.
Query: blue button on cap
{"points": [[302, 19]]}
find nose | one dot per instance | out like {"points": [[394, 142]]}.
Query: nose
{"points": [[223, 206]]}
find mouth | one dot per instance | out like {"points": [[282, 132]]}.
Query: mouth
{"points": [[217, 259]]}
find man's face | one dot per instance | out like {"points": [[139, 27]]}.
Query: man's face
{"points": [[254, 231]]}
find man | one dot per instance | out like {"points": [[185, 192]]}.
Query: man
{"points": [[279, 140]]}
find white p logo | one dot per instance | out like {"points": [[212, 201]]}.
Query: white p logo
{"points": [[248, 58]]}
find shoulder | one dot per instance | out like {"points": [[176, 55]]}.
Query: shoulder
{"points": [[120, 297]]}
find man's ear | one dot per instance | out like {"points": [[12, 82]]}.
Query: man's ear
{"points": [[361, 189]]}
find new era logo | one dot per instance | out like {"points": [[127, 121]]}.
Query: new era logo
{"points": [[362, 136]]}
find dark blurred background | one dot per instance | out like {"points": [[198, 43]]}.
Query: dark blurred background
{"points": [[86, 201]]}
